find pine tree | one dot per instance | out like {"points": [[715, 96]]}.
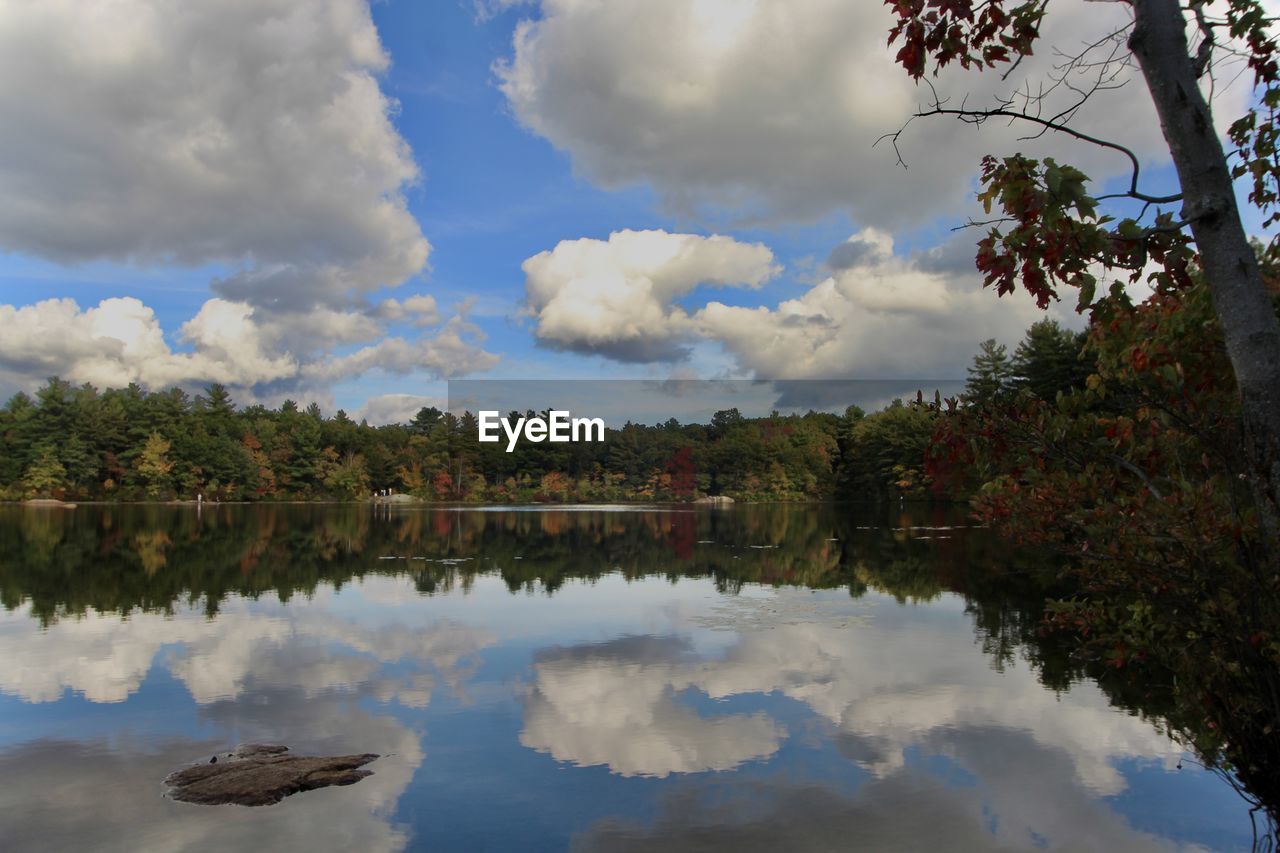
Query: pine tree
{"points": [[991, 376], [1049, 360]]}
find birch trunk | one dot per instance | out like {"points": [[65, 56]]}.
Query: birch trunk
{"points": [[1243, 306]]}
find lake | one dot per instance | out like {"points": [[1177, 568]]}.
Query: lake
{"points": [[789, 677]]}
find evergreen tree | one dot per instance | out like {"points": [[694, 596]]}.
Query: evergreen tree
{"points": [[1049, 360], [991, 376], [16, 436], [424, 420], [79, 462]]}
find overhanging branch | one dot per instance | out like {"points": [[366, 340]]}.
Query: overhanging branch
{"points": [[979, 116]]}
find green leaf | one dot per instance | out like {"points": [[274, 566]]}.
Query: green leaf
{"points": [[1088, 287]]}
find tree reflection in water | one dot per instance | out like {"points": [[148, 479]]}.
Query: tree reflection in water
{"points": [[148, 561]]}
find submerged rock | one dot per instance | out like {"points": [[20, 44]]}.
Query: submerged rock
{"points": [[262, 774]]}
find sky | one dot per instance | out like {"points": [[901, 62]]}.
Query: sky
{"points": [[351, 203]]}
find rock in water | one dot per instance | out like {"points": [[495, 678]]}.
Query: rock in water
{"points": [[262, 774]]}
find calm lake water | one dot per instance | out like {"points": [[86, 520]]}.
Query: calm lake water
{"points": [[757, 678]]}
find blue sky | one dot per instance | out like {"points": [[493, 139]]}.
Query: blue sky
{"points": [[345, 202]]}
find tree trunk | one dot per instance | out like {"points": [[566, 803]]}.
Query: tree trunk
{"points": [[1244, 308]]}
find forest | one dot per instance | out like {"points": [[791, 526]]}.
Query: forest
{"points": [[130, 444]]}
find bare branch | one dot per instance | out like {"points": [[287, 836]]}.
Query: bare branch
{"points": [[1079, 73], [977, 117]]}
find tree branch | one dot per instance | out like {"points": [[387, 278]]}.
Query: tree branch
{"points": [[1142, 475], [979, 116]]}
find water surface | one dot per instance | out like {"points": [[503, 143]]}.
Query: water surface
{"points": [[758, 678]]}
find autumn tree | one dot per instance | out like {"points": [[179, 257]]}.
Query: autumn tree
{"points": [[154, 464], [683, 472], [345, 475], [1052, 232], [1157, 480]]}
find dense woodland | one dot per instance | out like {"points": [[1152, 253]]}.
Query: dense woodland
{"points": [[131, 444]]}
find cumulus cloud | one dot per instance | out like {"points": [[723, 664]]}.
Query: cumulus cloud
{"points": [[446, 354], [889, 711], [172, 132], [614, 704], [878, 314], [396, 408], [253, 137], [771, 108], [424, 307], [615, 297], [248, 647], [120, 341], [262, 356], [105, 658], [1042, 764]]}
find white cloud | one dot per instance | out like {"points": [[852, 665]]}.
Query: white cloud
{"points": [[448, 353], [251, 136], [884, 316], [396, 408], [890, 710], [614, 704], [614, 297], [424, 310], [164, 131], [877, 315], [260, 355], [105, 658], [487, 10], [120, 341], [1042, 762], [771, 107]]}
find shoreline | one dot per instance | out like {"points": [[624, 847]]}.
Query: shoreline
{"points": [[51, 503]]}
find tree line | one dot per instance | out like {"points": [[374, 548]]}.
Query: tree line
{"points": [[79, 443]]}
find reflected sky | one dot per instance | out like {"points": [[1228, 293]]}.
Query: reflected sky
{"points": [[615, 714]]}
